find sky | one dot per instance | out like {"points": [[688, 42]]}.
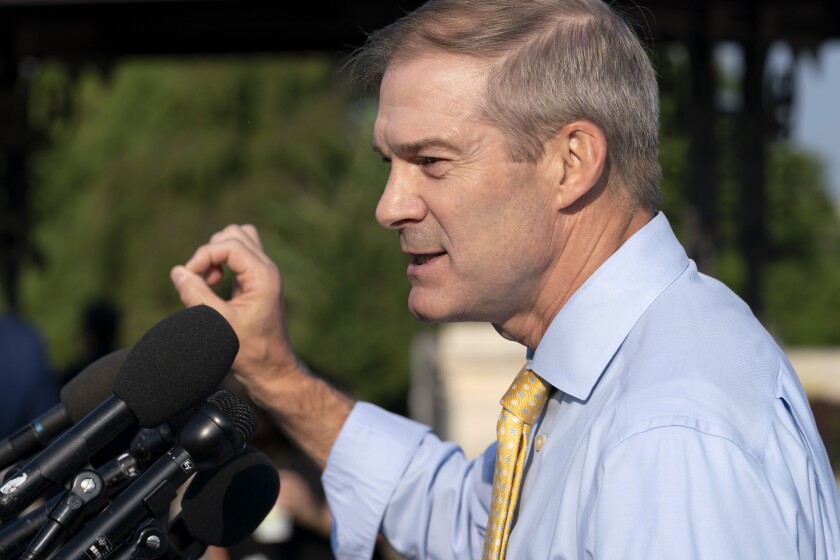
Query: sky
{"points": [[816, 112]]}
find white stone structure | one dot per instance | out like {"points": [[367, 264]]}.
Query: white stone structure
{"points": [[460, 374]]}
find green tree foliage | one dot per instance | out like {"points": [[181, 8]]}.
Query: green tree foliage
{"points": [[145, 163], [803, 287], [802, 275], [158, 155]]}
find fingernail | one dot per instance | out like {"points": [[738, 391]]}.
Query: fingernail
{"points": [[179, 275]]}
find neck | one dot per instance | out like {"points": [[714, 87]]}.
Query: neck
{"points": [[584, 240]]}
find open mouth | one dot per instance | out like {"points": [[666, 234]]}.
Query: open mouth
{"points": [[423, 259]]}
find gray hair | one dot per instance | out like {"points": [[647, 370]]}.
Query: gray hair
{"points": [[553, 62]]}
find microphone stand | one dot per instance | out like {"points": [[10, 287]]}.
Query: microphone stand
{"points": [[152, 540], [87, 490], [116, 474], [16, 533], [148, 542]]}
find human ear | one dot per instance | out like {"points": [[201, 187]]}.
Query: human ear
{"points": [[574, 161]]}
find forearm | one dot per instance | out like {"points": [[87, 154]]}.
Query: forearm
{"points": [[308, 408]]}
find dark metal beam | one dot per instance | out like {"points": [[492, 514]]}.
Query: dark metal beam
{"points": [[754, 199], [14, 177], [701, 231], [114, 29]]}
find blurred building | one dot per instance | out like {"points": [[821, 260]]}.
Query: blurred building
{"points": [[460, 374]]}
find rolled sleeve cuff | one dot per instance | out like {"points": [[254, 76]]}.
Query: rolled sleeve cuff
{"points": [[367, 460]]}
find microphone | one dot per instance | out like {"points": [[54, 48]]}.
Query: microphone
{"points": [[87, 491], [194, 347], [215, 433], [16, 533], [79, 396], [224, 505], [221, 506], [146, 447]]}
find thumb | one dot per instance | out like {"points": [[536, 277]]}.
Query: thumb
{"points": [[194, 290]]}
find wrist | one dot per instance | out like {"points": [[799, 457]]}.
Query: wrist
{"points": [[308, 408]]}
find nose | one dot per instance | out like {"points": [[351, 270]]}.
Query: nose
{"points": [[400, 203]]}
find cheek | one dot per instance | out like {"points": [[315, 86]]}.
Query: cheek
{"points": [[496, 249], [521, 238], [496, 221]]}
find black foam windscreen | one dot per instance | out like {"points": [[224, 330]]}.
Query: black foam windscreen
{"points": [[92, 385], [176, 364], [224, 505]]}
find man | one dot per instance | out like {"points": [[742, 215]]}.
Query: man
{"points": [[522, 140]]}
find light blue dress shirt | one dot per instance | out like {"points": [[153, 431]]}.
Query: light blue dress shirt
{"points": [[678, 430]]}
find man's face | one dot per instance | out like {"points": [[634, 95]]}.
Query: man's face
{"points": [[477, 226]]}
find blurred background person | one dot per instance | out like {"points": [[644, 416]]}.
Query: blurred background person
{"points": [[99, 326], [28, 389]]}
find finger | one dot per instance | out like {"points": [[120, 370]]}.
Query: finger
{"points": [[251, 269], [230, 251], [251, 231], [214, 275], [248, 238], [194, 290]]}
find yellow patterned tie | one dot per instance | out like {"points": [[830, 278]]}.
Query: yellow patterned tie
{"points": [[521, 407]]}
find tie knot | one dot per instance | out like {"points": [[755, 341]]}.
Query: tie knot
{"points": [[526, 396]]}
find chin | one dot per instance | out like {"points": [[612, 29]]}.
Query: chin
{"points": [[424, 315], [433, 308], [426, 308], [424, 318]]}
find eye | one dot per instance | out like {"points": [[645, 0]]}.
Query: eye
{"points": [[431, 165], [424, 161], [386, 161]]}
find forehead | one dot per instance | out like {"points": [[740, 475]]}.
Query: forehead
{"points": [[431, 94]]}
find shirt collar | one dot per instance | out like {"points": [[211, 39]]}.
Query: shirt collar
{"points": [[591, 326]]}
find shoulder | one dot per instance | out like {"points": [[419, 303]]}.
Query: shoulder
{"points": [[18, 334], [698, 358], [673, 492], [21, 348]]}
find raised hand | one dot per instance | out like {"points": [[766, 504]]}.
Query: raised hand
{"points": [[255, 307], [310, 410]]}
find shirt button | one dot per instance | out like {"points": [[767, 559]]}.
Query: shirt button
{"points": [[538, 443]]}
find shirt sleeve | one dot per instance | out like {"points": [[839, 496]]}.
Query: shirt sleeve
{"points": [[675, 492], [386, 473]]}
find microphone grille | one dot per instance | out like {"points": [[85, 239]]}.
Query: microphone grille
{"points": [[232, 406]]}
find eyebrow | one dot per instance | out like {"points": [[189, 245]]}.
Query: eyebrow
{"points": [[419, 145]]}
